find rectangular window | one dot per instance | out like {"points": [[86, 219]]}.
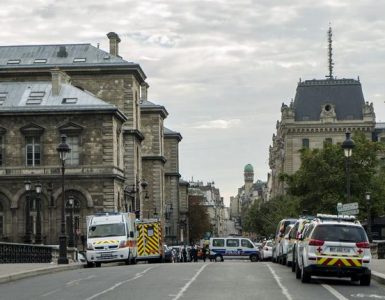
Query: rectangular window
{"points": [[232, 243], [13, 62], [79, 59], [73, 156], [69, 100], [218, 242], [33, 153], [3, 97], [305, 143], [35, 97], [40, 61]]}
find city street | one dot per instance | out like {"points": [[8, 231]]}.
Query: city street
{"points": [[228, 280]]}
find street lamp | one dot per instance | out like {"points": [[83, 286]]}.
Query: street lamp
{"points": [[348, 146], [28, 227], [38, 239], [369, 230], [63, 149], [71, 222]]}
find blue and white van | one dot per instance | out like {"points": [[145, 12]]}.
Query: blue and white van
{"points": [[233, 248]]}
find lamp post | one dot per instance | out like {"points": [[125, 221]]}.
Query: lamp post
{"points": [[28, 227], [348, 146], [369, 230], [71, 222], [63, 149], [38, 239]]}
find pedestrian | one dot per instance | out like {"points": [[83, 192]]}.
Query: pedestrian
{"points": [[192, 253], [195, 253], [184, 254], [173, 255]]}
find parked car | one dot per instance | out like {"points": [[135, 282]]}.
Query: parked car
{"points": [[266, 250], [279, 233], [334, 246], [167, 254], [283, 245], [295, 234]]}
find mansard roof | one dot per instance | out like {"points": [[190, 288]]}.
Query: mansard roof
{"points": [[72, 56], [168, 133], [150, 107], [345, 94], [37, 96]]}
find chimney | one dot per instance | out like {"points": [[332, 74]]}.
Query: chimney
{"points": [[58, 78], [114, 43], [143, 91]]}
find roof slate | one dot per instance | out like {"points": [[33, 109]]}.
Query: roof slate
{"points": [[28, 53], [17, 94], [345, 94]]}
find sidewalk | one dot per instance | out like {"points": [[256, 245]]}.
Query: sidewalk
{"points": [[10, 272]]}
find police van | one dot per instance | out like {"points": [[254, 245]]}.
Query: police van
{"points": [[233, 248]]}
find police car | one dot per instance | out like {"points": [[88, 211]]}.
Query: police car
{"points": [[335, 246]]}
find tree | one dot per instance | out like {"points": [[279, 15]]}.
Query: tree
{"points": [[320, 183], [199, 222]]}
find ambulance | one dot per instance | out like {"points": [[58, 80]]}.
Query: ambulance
{"points": [[149, 240], [110, 238]]}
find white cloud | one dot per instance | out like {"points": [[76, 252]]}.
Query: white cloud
{"points": [[215, 60], [218, 124]]}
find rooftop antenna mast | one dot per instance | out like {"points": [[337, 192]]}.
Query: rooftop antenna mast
{"points": [[330, 54]]}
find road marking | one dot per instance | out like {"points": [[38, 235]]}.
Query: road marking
{"points": [[78, 280], [137, 275], [374, 296], [285, 292], [180, 294], [334, 292]]}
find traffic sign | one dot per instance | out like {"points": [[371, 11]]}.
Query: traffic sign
{"points": [[347, 206], [350, 212]]}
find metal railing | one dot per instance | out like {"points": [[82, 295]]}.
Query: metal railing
{"points": [[24, 253]]}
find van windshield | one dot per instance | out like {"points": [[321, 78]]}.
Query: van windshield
{"points": [[339, 233], [104, 230]]}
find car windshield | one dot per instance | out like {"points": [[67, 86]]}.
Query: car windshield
{"points": [[107, 230], [339, 233]]}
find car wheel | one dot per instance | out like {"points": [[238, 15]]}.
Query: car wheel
{"points": [[253, 258], [293, 264], [297, 271], [90, 265], [305, 275], [218, 258], [365, 279], [98, 264]]}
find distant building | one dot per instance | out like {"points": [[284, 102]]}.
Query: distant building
{"points": [[321, 112]]}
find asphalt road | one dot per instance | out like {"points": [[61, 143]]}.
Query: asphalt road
{"points": [[233, 280]]}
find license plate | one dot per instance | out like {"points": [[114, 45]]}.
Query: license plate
{"points": [[339, 249], [106, 254]]}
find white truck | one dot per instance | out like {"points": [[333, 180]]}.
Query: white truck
{"points": [[111, 237]]}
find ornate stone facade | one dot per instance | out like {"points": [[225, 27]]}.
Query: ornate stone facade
{"points": [[322, 111]]}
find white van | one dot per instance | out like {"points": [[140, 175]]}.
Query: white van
{"points": [[233, 248]]}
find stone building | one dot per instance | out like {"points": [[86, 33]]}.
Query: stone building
{"points": [[94, 97], [322, 111]]}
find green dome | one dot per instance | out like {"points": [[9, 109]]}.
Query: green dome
{"points": [[249, 168]]}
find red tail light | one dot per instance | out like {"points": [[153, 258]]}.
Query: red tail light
{"points": [[363, 245], [316, 242]]}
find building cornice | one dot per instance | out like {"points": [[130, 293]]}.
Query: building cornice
{"points": [[135, 132], [154, 157]]}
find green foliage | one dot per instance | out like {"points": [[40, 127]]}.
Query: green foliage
{"points": [[263, 218], [199, 222], [320, 184]]}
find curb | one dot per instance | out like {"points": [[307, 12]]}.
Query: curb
{"points": [[379, 277], [36, 272]]}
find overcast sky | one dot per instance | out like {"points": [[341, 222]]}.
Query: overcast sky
{"points": [[221, 68]]}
